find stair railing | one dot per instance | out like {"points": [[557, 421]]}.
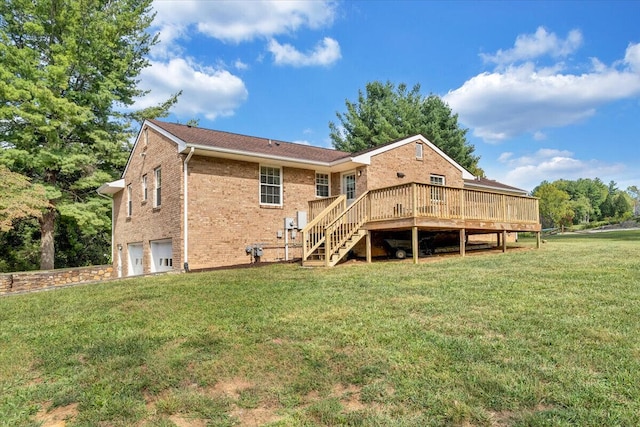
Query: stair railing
{"points": [[313, 235], [344, 226]]}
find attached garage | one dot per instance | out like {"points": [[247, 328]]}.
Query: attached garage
{"points": [[161, 256], [135, 259]]}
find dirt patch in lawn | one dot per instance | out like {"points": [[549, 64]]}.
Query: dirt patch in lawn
{"points": [[58, 416]]}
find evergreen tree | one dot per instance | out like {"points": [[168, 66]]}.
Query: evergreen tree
{"points": [[68, 70]]}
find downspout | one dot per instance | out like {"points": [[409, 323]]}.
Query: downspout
{"points": [[185, 240], [119, 268]]}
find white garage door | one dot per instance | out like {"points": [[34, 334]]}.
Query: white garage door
{"points": [[135, 259], [161, 255]]}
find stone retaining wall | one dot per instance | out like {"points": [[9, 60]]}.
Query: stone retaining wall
{"points": [[35, 280]]}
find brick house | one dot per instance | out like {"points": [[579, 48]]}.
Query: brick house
{"points": [[194, 198]]}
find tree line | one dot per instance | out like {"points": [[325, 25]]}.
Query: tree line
{"points": [[585, 201]]}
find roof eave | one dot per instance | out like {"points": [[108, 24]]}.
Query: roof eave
{"points": [[111, 187], [262, 157], [498, 189]]}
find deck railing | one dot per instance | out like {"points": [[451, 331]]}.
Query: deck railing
{"points": [[436, 201], [337, 223], [318, 205]]}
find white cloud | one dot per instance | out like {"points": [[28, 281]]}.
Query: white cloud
{"points": [[632, 57], [325, 53], [524, 98], [215, 91], [550, 164], [541, 43], [539, 136], [206, 91], [238, 21], [240, 65]]}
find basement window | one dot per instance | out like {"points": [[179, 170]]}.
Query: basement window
{"points": [[270, 185]]}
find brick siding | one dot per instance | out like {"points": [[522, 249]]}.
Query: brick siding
{"points": [[384, 168], [225, 215], [148, 223]]}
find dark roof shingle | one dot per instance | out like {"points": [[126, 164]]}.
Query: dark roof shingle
{"points": [[250, 144], [485, 182]]}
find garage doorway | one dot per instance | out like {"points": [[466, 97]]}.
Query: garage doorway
{"points": [[135, 259], [161, 256]]}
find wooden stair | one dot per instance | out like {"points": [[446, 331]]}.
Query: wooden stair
{"points": [[318, 258]]}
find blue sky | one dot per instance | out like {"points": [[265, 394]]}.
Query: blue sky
{"points": [[548, 90]]}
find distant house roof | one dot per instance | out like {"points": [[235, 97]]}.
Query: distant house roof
{"points": [[484, 183], [219, 140]]}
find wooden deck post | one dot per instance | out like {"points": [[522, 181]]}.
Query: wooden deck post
{"points": [[462, 242], [414, 244], [327, 248], [538, 240], [497, 240], [504, 240], [304, 245], [368, 250], [414, 199]]}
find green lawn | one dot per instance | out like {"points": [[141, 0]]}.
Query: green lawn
{"points": [[547, 337]]}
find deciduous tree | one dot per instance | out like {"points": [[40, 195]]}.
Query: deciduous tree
{"points": [[19, 198], [68, 73], [634, 192], [555, 208]]}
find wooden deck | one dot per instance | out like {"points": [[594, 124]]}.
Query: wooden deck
{"points": [[335, 228]]}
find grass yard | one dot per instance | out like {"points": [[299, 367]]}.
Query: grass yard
{"points": [[546, 337]]}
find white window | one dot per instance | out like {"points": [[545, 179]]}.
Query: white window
{"points": [[157, 200], [129, 200], [270, 185], [437, 194], [144, 188], [418, 150], [322, 184]]}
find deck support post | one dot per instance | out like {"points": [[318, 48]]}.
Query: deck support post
{"points": [[538, 240], [504, 240], [497, 240], [368, 242], [462, 242], [414, 244]]}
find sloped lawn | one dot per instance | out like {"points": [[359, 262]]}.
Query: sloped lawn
{"points": [[546, 337]]}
